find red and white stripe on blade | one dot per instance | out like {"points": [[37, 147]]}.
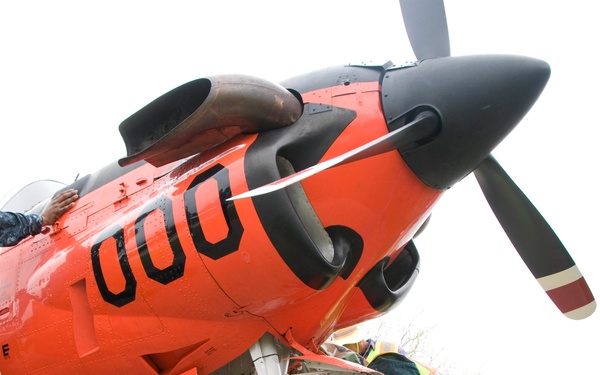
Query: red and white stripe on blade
{"points": [[570, 293]]}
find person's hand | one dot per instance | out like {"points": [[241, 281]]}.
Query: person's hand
{"points": [[58, 206]]}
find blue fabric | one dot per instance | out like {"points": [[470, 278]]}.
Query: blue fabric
{"points": [[16, 226], [394, 364]]}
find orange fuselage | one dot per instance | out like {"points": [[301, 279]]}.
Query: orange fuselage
{"points": [[154, 270]]}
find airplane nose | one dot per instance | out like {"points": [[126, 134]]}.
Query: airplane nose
{"points": [[479, 99]]}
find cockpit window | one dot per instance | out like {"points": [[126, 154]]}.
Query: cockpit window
{"points": [[30, 195]]}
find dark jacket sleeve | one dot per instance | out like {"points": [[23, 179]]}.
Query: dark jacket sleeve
{"points": [[16, 226]]}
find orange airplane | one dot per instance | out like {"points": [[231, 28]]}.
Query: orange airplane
{"points": [[249, 220]]}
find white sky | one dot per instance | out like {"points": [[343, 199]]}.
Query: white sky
{"points": [[71, 72]]}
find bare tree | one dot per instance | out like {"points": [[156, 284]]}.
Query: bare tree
{"points": [[417, 340]]}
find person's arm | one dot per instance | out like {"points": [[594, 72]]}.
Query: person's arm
{"points": [[15, 226]]}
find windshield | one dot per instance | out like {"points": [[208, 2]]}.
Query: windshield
{"points": [[30, 195]]}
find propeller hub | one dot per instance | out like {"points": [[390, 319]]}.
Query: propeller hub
{"points": [[479, 99]]}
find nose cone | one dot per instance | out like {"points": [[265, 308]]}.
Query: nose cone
{"points": [[480, 99]]}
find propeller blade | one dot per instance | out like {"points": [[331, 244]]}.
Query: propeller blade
{"points": [[424, 126], [426, 27], [537, 244]]}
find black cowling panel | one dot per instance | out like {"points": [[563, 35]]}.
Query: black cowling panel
{"points": [[334, 76], [386, 285], [303, 145]]}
